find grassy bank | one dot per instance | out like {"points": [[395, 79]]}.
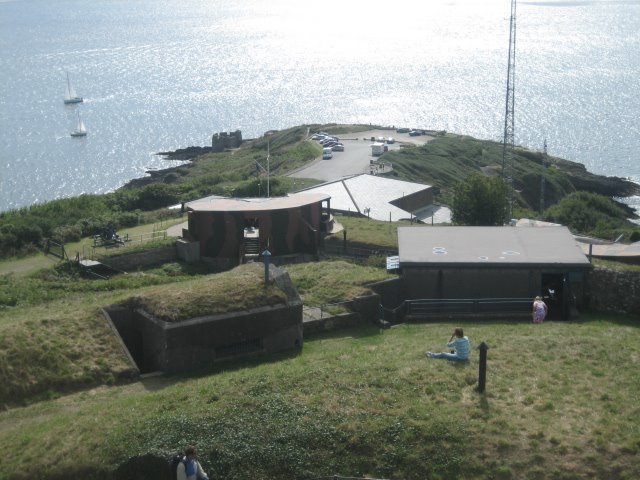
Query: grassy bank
{"points": [[53, 338], [367, 402]]}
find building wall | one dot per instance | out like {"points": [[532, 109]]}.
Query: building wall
{"points": [[470, 283], [415, 201], [609, 290], [484, 283], [284, 231]]}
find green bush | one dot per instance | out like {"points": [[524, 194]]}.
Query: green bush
{"points": [[67, 233], [588, 213]]}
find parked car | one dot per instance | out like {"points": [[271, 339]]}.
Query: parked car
{"points": [[415, 133], [390, 140], [327, 154], [330, 144], [338, 147], [403, 130], [327, 140]]}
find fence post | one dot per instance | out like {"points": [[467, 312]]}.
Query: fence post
{"points": [[266, 254], [482, 371]]}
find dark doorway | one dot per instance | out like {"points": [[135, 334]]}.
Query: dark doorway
{"points": [[553, 293]]}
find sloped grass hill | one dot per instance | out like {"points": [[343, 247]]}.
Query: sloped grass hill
{"points": [[560, 404], [62, 342], [448, 159], [53, 337]]}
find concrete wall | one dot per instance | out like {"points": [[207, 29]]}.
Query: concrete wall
{"points": [[333, 322], [130, 261], [392, 292], [188, 251], [439, 283], [609, 290], [364, 310], [156, 345]]}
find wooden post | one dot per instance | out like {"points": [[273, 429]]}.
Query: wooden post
{"points": [[482, 372], [266, 254]]}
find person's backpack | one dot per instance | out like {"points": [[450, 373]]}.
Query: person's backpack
{"points": [[173, 465]]}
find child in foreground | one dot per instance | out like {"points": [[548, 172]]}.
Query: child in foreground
{"points": [[460, 345]]}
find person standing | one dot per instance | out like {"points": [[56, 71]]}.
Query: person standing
{"points": [[539, 310], [189, 468], [460, 344]]}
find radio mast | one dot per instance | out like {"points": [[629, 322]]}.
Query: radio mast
{"points": [[544, 168], [508, 144]]}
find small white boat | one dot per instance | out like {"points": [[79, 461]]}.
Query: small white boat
{"points": [[81, 130], [70, 95]]}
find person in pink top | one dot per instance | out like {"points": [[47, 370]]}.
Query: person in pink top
{"points": [[539, 310]]}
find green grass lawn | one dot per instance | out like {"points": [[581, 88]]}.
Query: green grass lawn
{"points": [[561, 402], [28, 265]]}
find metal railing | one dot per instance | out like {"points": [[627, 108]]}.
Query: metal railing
{"points": [[468, 306], [89, 251], [334, 248]]}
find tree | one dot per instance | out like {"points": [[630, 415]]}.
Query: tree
{"points": [[480, 200]]}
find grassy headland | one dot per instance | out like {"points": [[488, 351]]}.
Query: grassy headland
{"points": [[560, 399]]}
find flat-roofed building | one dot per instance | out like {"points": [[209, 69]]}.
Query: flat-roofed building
{"points": [[383, 198], [443, 263]]}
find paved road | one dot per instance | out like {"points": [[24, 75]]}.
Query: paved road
{"points": [[356, 157]]}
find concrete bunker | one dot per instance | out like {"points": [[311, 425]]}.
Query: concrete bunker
{"points": [[157, 345]]}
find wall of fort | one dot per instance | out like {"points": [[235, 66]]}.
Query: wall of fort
{"points": [[609, 290]]}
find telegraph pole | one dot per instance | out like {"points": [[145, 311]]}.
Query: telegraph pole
{"points": [[508, 144], [268, 169]]}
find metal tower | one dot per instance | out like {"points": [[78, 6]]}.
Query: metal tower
{"points": [[544, 168], [509, 124]]}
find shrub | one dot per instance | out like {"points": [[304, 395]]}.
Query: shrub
{"points": [[587, 213], [67, 233]]}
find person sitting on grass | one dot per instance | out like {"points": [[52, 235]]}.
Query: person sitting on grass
{"points": [[189, 468], [460, 345]]}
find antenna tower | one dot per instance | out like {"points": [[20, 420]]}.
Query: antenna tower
{"points": [[509, 124], [544, 168]]}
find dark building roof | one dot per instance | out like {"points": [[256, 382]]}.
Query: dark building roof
{"points": [[489, 246]]}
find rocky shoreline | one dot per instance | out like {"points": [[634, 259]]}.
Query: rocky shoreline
{"points": [[188, 153]]}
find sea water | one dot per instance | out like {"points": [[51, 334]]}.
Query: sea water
{"points": [[158, 75]]}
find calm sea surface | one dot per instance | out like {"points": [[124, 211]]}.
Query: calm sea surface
{"points": [[164, 74]]}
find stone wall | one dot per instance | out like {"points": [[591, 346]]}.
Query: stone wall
{"points": [[222, 140], [609, 290], [130, 261], [364, 310]]}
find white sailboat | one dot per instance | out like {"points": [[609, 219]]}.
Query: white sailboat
{"points": [[81, 130], [70, 95]]}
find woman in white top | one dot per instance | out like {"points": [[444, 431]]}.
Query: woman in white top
{"points": [[539, 310]]}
